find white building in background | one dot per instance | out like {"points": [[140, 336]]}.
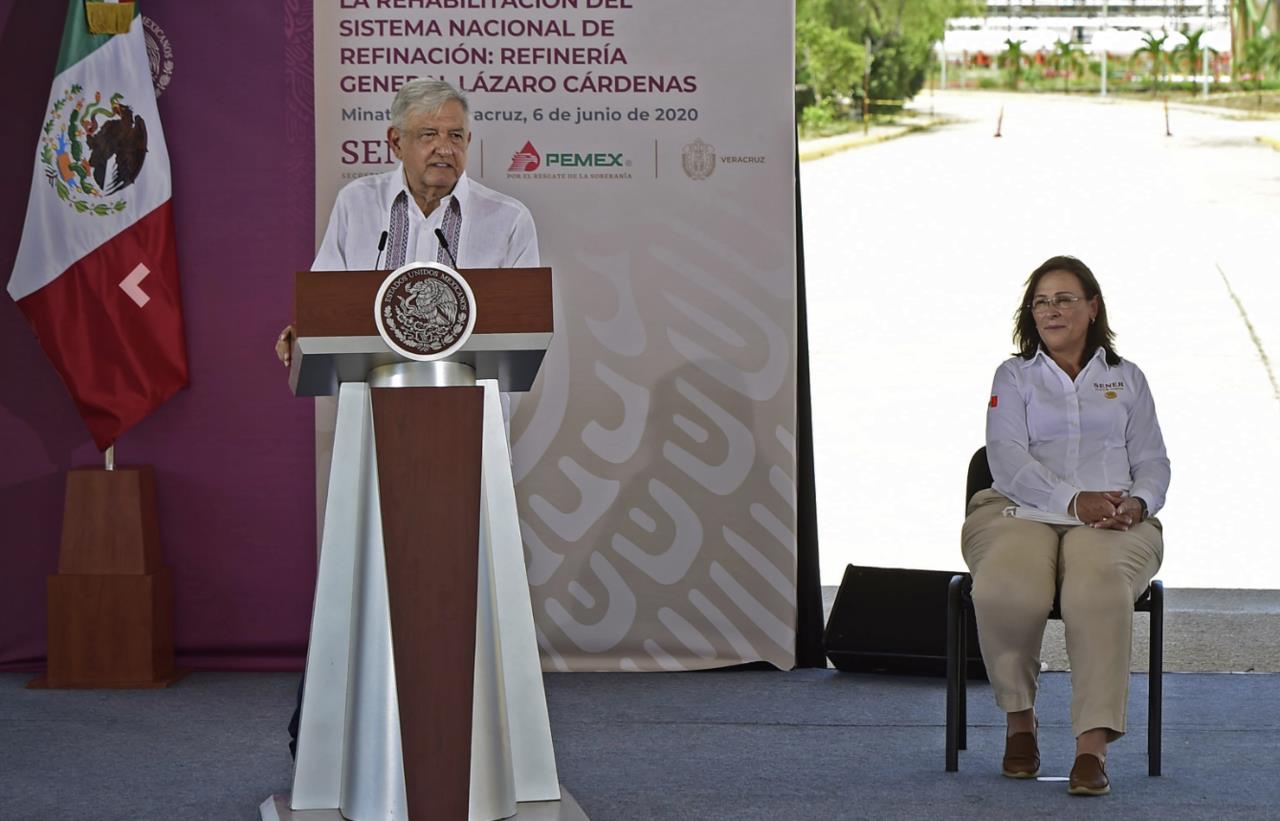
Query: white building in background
{"points": [[1114, 26]]}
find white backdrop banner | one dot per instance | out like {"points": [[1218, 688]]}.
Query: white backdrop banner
{"points": [[653, 140]]}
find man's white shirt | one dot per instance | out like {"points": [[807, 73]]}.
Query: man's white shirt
{"points": [[497, 230], [1050, 437]]}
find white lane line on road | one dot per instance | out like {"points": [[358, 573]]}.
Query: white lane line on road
{"points": [[1257, 343]]}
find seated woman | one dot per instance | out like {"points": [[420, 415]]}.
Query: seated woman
{"points": [[1071, 431]]}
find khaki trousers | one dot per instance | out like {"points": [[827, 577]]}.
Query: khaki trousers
{"points": [[1017, 565]]}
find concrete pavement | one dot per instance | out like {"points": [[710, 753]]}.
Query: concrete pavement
{"points": [[917, 250]]}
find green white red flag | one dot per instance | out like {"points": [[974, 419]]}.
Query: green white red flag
{"points": [[96, 273]]}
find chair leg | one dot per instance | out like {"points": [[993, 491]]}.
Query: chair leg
{"points": [[953, 704], [1155, 680], [962, 677]]}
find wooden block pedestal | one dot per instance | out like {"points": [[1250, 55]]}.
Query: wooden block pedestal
{"points": [[110, 606]]}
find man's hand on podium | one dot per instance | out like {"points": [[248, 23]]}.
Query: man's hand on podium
{"points": [[284, 345]]}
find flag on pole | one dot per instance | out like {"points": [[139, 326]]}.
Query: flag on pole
{"points": [[96, 273]]}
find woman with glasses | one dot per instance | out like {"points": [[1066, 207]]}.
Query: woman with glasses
{"points": [[1080, 471]]}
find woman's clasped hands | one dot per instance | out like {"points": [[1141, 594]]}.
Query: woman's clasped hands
{"points": [[1107, 509]]}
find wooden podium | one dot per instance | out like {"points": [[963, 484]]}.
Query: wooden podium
{"points": [[336, 340], [423, 694]]}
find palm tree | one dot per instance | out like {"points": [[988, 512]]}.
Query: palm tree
{"points": [[1260, 53], [1191, 51], [1012, 60], [1064, 58], [1153, 45]]}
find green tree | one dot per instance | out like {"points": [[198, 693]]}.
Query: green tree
{"points": [[1191, 53], [827, 60], [901, 34], [1065, 58], [1012, 60], [1250, 19], [1154, 46], [1260, 54]]}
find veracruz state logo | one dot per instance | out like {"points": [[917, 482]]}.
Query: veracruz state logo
{"points": [[425, 311], [698, 159], [92, 150], [525, 160]]}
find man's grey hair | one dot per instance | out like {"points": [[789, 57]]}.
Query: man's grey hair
{"points": [[427, 95]]}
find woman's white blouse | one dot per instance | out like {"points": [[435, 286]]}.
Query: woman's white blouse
{"points": [[1049, 437]]}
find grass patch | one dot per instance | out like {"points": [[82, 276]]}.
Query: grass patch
{"points": [[839, 127], [1246, 101]]}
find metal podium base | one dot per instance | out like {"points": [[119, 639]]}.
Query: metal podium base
{"points": [[350, 754], [276, 808]]}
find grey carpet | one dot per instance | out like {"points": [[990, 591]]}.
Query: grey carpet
{"points": [[733, 745]]}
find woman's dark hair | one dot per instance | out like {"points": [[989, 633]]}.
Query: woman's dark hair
{"points": [[1027, 338]]}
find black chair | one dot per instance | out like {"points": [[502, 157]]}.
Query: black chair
{"points": [[960, 610]]}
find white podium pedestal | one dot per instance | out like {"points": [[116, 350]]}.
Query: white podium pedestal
{"points": [[349, 755]]}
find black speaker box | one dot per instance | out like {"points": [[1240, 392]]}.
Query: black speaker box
{"points": [[887, 620]]}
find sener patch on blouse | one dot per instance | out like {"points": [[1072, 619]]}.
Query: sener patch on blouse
{"points": [[1110, 390], [995, 401]]}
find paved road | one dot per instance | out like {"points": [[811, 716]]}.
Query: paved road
{"points": [[917, 250]]}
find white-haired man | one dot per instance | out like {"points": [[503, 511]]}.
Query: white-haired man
{"points": [[427, 190]]}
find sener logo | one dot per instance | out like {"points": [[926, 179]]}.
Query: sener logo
{"points": [[526, 159], [570, 160]]}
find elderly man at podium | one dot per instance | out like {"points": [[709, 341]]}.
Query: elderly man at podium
{"points": [[411, 701], [426, 208]]}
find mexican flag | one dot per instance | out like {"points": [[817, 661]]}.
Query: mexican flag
{"points": [[97, 273]]}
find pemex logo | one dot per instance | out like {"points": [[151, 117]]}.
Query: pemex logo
{"points": [[525, 160]]}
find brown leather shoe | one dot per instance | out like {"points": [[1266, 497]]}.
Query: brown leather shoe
{"points": [[1021, 756], [1088, 777]]}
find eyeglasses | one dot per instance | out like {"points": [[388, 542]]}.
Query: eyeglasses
{"points": [[1058, 302]]}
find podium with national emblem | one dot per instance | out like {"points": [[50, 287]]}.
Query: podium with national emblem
{"points": [[423, 695]]}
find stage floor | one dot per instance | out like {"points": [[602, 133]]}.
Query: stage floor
{"points": [[276, 808], [645, 747]]}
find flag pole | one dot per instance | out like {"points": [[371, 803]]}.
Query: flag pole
{"points": [[109, 457]]}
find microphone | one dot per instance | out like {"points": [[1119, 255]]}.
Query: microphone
{"points": [[444, 243], [382, 243]]}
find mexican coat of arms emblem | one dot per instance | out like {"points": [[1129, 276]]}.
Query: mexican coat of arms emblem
{"points": [[92, 149], [425, 311]]}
